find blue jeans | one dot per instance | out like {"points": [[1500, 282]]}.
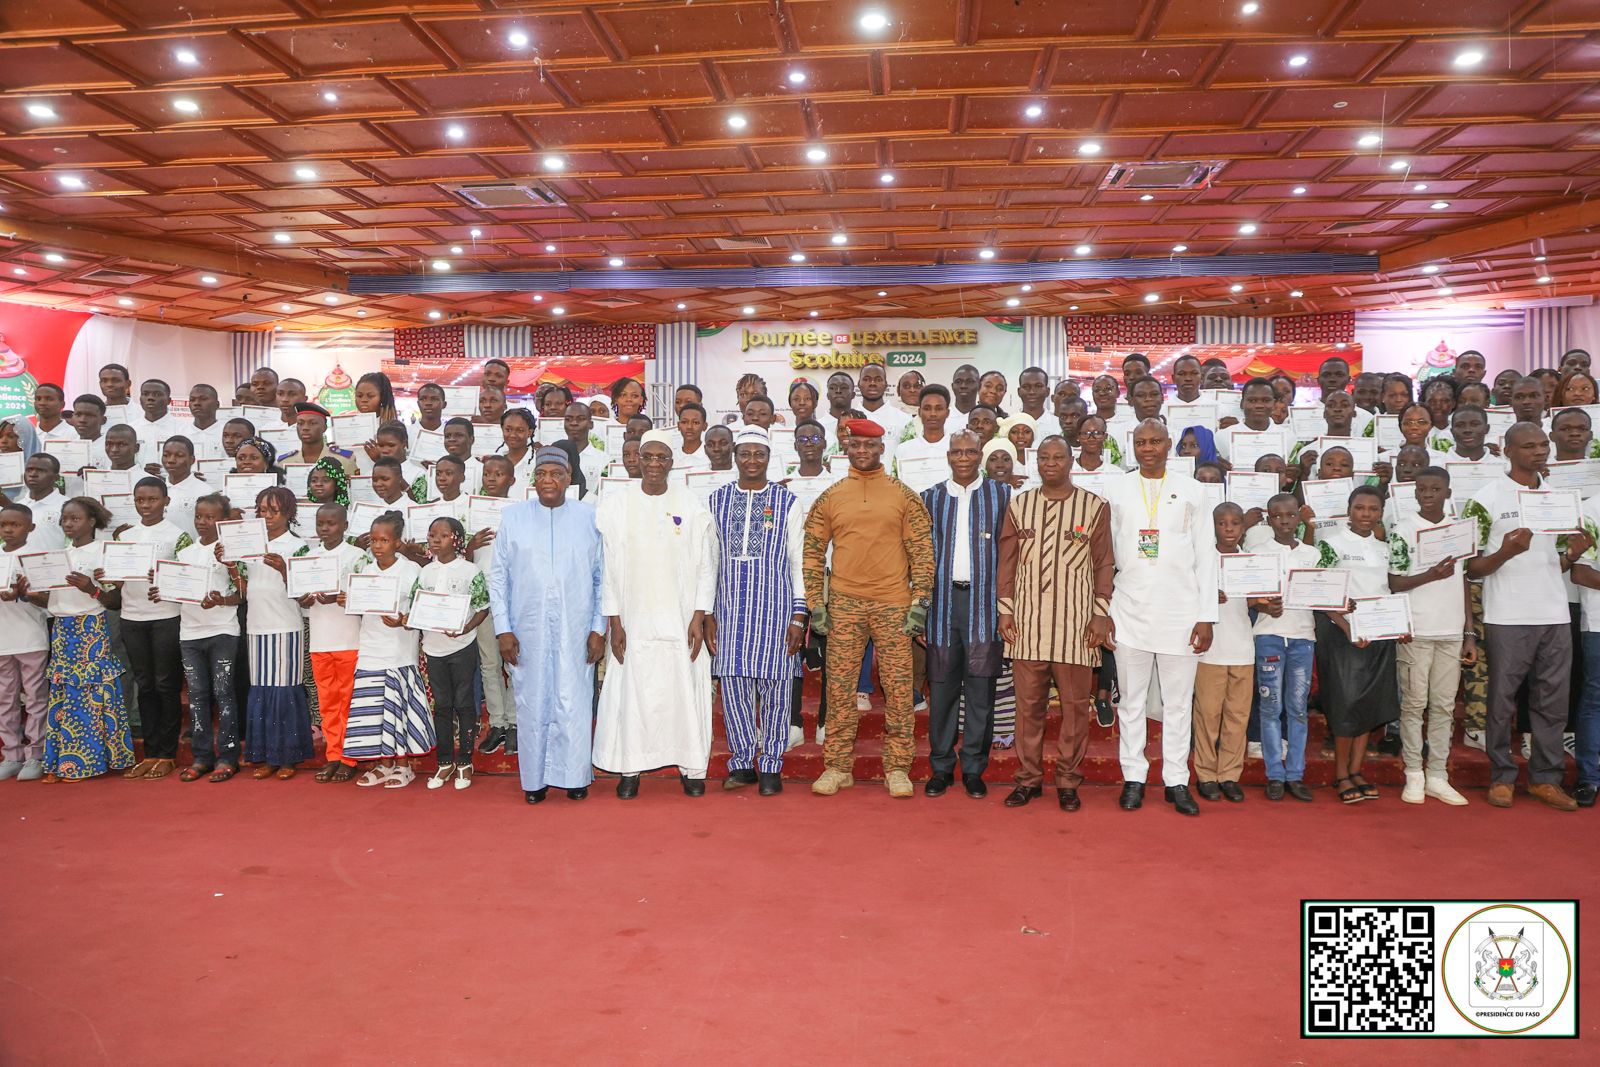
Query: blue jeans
{"points": [[1588, 740], [1283, 685], [208, 664]]}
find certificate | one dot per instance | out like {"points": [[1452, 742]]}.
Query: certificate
{"points": [[127, 561], [1213, 493], [1380, 618], [123, 513], [460, 400], [483, 512], [1183, 465], [361, 491], [429, 446], [807, 489], [420, 516], [73, 455], [117, 414], [1329, 498], [1386, 432], [8, 570], [922, 472], [45, 570], [1314, 589], [1245, 447], [1097, 482], [352, 429], [1468, 479], [610, 483], [1450, 540], [313, 574], [1549, 510], [1501, 419], [615, 433], [1201, 412], [185, 583], [242, 539], [281, 438], [297, 478], [549, 431], [1308, 423], [1226, 402], [213, 470], [487, 439], [242, 489], [705, 482], [1250, 489], [1363, 450], [11, 464], [373, 593], [262, 418], [782, 443], [1579, 475], [363, 513], [97, 483], [1247, 574], [445, 613]]}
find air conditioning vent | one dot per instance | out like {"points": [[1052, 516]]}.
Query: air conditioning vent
{"points": [[112, 277], [614, 302], [492, 195], [742, 244], [1358, 226], [246, 318], [1162, 175]]}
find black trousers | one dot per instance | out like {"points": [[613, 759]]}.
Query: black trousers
{"points": [[944, 709], [453, 679], [156, 659]]}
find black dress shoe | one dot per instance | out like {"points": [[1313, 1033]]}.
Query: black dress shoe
{"points": [[1020, 796], [1299, 790], [580, 793], [976, 788], [738, 779], [1179, 797], [628, 787], [511, 740], [492, 740], [692, 787], [535, 796], [1132, 798], [1104, 713], [770, 784], [1274, 790], [1232, 791], [936, 785], [1068, 799], [1208, 790], [1584, 795]]}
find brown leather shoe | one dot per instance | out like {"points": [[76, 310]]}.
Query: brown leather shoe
{"points": [[1500, 795], [263, 772], [1554, 796]]}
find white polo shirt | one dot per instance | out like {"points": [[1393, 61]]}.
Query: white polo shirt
{"points": [[1527, 590]]}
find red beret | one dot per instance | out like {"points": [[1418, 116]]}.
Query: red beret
{"points": [[863, 428]]}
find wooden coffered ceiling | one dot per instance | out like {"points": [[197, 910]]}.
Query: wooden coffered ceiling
{"points": [[241, 157]]}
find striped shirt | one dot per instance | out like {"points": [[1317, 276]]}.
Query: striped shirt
{"points": [[1056, 565]]}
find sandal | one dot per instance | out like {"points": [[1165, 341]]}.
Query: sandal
{"points": [[442, 776], [223, 773], [1351, 795], [326, 773], [160, 769], [263, 772], [1367, 790], [343, 772], [375, 776], [193, 773], [138, 770], [402, 777], [286, 773], [464, 776]]}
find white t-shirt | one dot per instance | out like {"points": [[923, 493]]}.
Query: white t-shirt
{"points": [[84, 559], [1294, 624], [1366, 558], [46, 522], [332, 629], [1527, 589], [385, 647], [460, 575], [921, 448], [207, 442], [136, 603], [180, 501], [1589, 599], [197, 622], [152, 435], [1224, 439], [270, 611], [22, 624], [1232, 644], [1438, 609]]}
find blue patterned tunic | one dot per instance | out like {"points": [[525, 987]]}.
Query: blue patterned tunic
{"points": [[759, 583]]}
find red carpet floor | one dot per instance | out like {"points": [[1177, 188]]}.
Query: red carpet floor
{"points": [[297, 923]]}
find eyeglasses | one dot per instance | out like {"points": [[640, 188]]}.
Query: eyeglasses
{"points": [[1091, 433], [809, 439]]}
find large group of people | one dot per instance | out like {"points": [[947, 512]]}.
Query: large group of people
{"points": [[588, 581]]}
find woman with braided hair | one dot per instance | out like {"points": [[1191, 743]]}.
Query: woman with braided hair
{"points": [[327, 483]]}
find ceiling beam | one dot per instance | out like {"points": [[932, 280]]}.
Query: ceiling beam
{"points": [[1489, 236], [241, 263]]}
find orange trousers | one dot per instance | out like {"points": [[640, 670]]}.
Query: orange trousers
{"points": [[335, 675]]}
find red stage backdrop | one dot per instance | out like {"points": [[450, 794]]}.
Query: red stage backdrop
{"points": [[34, 344]]}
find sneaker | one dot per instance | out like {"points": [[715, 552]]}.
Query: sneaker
{"points": [[831, 782], [822, 734], [1005, 740], [1473, 739], [1569, 743], [797, 737], [32, 771], [863, 702], [1415, 791], [899, 784], [1253, 750], [445, 772], [1440, 789], [10, 769], [921, 704]]}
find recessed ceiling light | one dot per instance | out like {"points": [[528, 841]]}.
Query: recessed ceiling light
{"points": [[186, 57], [1249, 8], [797, 77], [1470, 58], [1089, 148], [1399, 164], [1446, 291], [553, 163], [558, 310], [538, 297], [185, 105], [797, 257], [330, 300], [615, 261], [54, 257], [1431, 268], [873, 21], [363, 314], [1027, 288], [1296, 294], [305, 174], [838, 239], [1180, 248], [41, 111], [748, 310], [455, 133], [281, 238], [813, 313], [1544, 279], [985, 253], [208, 279], [1369, 140], [331, 97], [435, 314], [817, 155], [1012, 301], [284, 307], [19, 272], [549, 248], [682, 306], [71, 181], [1247, 227], [475, 232], [455, 250], [125, 302], [883, 292], [1538, 259], [517, 39], [440, 264], [1033, 111], [1420, 187], [887, 177], [1147, 196], [1082, 250], [1151, 298], [1299, 190], [1236, 288], [1439, 205], [1299, 60], [737, 122]]}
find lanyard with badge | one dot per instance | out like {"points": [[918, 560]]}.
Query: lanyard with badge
{"points": [[1150, 537]]}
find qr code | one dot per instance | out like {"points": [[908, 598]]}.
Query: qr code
{"points": [[1369, 969]]}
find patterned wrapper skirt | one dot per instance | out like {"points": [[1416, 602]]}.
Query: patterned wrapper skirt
{"points": [[389, 715], [277, 718], [88, 730]]}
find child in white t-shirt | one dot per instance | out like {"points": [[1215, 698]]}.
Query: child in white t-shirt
{"points": [[453, 654], [24, 650], [1223, 680]]}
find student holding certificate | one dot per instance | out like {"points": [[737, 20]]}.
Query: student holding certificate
{"points": [[453, 653], [335, 634], [1430, 663], [1285, 647], [924, 454], [24, 651], [1225, 678], [390, 721], [1358, 686]]}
